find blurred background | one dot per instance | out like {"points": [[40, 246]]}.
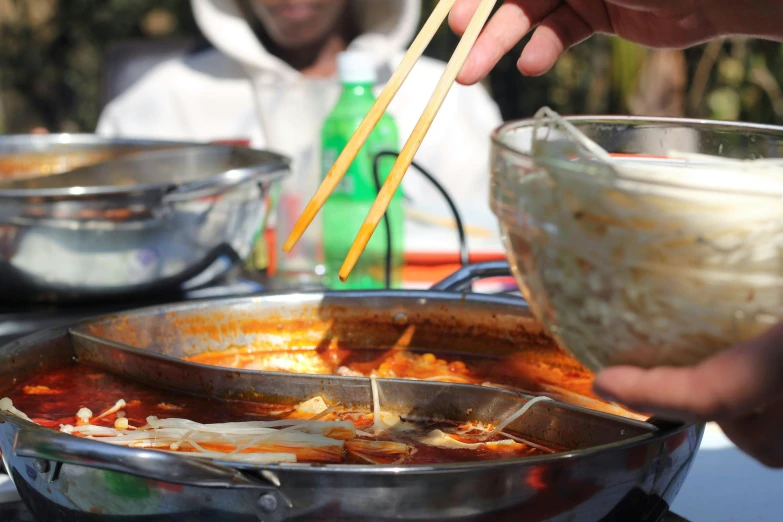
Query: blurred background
{"points": [[60, 63]]}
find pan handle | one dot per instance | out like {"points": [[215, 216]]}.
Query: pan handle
{"points": [[464, 277], [51, 450]]}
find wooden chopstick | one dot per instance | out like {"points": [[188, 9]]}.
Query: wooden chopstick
{"points": [[408, 152], [348, 155]]}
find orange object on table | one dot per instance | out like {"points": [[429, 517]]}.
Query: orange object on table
{"points": [[427, 268]]}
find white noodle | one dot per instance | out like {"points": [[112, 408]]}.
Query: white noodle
{"points": [[7, 405], [241, 428], [377, 424], [182, 440], [90, 429], [575, 133], [195, 445], [114, 409], [500, 427]]}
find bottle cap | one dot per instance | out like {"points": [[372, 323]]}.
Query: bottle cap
{"points": [[357, 67]]}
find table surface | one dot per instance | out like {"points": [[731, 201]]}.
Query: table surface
{"points": [[421, 237], [725, 485]]}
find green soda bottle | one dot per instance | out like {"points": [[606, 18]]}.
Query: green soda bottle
{"points": [[346, 209]]}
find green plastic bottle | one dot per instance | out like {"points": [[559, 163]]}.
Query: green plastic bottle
{"points": [[346, 209]]}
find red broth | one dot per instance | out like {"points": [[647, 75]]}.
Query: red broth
{"points": [[52, 399], [523, 372]]}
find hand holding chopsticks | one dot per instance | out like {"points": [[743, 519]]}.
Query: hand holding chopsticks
{"points": [[411, 147]]}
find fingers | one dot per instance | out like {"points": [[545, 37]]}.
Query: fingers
{"points": [[461, 13], [759, 434], [558, 32], [664, 392], [506, 28], [724, 387]]}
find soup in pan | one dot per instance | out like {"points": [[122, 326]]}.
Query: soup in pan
{"points": [[86, 402], [521, 372]]}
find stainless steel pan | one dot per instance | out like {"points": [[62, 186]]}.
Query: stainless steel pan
{"points": [[159, 217], [25, 156], [618, 469]]}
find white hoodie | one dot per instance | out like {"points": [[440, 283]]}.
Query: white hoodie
{"points": [[217, 95]]}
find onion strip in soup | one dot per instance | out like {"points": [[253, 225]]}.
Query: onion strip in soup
{"points": [[309, 432]]}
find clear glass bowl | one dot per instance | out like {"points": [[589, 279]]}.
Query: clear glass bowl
{"points": [[642, 270]]}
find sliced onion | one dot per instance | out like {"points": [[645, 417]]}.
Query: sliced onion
{"points": [[439, 439]]}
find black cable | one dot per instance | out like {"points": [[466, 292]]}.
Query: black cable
{"points": [[463, 242]]}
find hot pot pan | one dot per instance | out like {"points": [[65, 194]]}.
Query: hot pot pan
{"points": [[85, 218], [26, 156], [615, 468]]}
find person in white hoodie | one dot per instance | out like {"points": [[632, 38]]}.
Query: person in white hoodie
{"points": [[217, 94]]}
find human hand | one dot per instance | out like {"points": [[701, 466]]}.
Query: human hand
{"points": [[741, 389], [565, 23]]}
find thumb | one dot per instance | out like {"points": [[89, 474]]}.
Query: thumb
{"points": [[726, 386]]}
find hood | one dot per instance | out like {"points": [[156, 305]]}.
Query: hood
{"points": [[388, 26]]}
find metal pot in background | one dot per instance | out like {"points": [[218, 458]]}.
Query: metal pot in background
{"points": [[156, 217], [24, 156]]}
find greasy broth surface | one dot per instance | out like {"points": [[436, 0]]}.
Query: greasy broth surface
{"points": [[53, 398], [523, 372], [398, 363]]}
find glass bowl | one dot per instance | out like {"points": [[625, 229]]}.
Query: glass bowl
{"points": [[624, 267]]}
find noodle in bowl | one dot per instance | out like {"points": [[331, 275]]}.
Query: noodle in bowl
{"points": [[638, 254]]}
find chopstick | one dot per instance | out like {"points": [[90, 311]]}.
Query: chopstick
{"points": [[411, 147], [351, 150]]}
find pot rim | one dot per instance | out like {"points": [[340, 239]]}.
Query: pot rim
{"points": [[271, 165]]}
